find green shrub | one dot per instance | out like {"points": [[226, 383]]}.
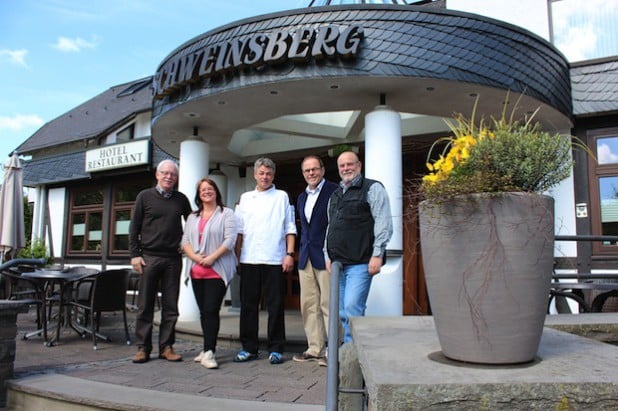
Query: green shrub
{"points": [[35, 250]]}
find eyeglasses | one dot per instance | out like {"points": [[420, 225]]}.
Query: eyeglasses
{"points": [[312, 170], [168, 173]]}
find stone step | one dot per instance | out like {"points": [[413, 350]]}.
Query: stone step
{"points": [[56, 392]]}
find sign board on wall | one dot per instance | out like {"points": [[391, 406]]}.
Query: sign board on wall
{"points": [[121, 155], [257, 50]]}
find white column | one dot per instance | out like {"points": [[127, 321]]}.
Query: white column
{"points": [[194, 159], [383, 163]]}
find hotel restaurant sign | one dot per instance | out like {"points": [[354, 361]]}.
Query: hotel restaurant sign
{"points": [[257, 50], [122, 155]]}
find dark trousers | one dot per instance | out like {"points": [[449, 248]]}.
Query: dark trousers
{"points": [[209, 295], [159, 274], [255, 280]]}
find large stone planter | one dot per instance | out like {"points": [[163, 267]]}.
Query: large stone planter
{"points": [[8, 331], [488, 262]]}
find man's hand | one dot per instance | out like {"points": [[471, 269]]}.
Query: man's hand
{"points": [[137, 263], [375, 264], [288, 264]]}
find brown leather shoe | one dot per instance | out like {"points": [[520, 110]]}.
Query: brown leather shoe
{"points": [[169, 354], [141, 357]]}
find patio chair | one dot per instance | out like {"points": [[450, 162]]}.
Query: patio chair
{"points": [[107, 293], [53, 294], [133, 288], [21, 289]]}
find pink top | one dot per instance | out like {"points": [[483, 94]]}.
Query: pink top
{"points": [[199, 272]]}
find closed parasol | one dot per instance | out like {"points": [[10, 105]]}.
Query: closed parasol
{"points": [[12, 236]]}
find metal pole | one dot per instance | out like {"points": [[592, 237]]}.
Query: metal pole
{"points": [[332, 373]]}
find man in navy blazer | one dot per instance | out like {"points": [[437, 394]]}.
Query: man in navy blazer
{"points": [[312, 207]]}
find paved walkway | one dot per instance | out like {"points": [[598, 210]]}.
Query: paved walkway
{"points": [[287, 383]]}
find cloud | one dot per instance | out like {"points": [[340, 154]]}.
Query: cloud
{"points": [[17, 57], [583, 29], [20, 122], [77, 44], [576, 43], [605, 155]]}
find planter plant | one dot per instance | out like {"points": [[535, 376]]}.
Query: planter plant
{"points": [[487, 236]]}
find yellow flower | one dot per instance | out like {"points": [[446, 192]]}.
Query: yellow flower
{"points": [[504, 154]]}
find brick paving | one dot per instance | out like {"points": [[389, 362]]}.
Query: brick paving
{"points": [[258, 380]]}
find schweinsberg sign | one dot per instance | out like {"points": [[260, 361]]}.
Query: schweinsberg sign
{"points": [[118, 156], [300, 45]]}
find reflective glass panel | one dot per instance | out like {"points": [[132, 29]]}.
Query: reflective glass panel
{"points": [[608, 189], [95, 231], [585, 30], [128, 192], [607, 150], [83, 198], [121, 237], [78, 230]]}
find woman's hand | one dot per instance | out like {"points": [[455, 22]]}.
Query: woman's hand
{"points": [[207, 260]]}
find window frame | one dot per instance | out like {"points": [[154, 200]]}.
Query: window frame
{"points": [[108, 209], [130, 129], [87, 210], [597, 171]]}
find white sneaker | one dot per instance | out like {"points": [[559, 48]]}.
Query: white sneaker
{"points": [[199, 357], [209, 360]]}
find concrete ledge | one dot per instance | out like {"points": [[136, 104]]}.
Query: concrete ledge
{"points": [[599, 326], [572, 372], [56, 392]]}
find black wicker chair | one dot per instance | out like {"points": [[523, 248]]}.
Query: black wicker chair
{"points": [[107, 293]]}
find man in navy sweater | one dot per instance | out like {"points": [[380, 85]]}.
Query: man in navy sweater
{"points": [[313, 276], [154, 244]]}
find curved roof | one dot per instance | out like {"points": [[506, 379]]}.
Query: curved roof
{"points": [[425, 61]]}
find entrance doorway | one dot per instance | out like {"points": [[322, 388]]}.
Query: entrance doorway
{"points": [[289, 178]]}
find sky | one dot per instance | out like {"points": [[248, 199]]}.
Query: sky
{"points": [[57, 54]]}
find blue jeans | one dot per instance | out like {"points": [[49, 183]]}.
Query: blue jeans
{"points": [[354, 284]]}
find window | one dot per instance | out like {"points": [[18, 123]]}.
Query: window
{"points": [[122, 207], [126, 134], [86, 221], [604, 187], [99, 218], [584, 30]]}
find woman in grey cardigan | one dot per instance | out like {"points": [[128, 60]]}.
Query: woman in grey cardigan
{"points": [[208, 242]]}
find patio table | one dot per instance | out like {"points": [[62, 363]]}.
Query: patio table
{"points": [[45, 280]]}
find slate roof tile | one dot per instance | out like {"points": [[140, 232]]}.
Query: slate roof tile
{"points": [[93, 117], [594, 87]]}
